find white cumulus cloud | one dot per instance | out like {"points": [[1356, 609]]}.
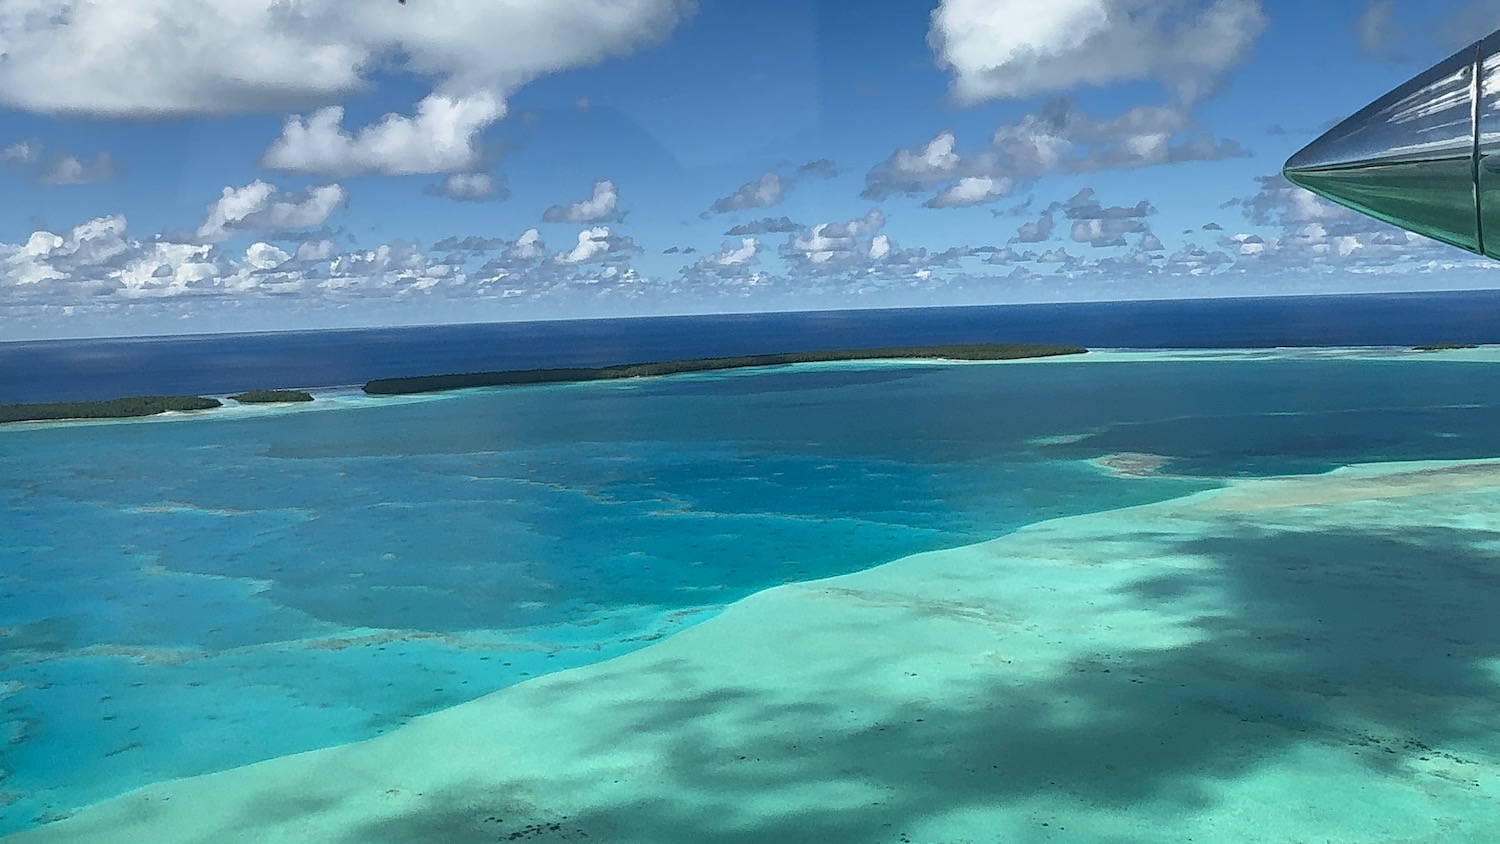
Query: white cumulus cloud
{"points": [[771, 187], [735, 256], [529, 246], [600, 207], [827, 243], [1016, 48], [260, 205], [470, 187], [972, 190], [138, 58], [757, 193], [315, 250], [442, 137], [1056, 138], [596, 244], [265, 256], [98, 258]]}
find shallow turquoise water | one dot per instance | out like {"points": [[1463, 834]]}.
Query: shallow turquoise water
{"points": [[189, 595]]}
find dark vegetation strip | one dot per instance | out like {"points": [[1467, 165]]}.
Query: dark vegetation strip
{"points": [[151, 405], [271, 396], [1442, 347], [975, 351], [112, 409]]}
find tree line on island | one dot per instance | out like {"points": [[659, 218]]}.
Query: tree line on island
{"points": [[151, 405], [132, 406], [272, 397], [968, 351], [111, 409]]}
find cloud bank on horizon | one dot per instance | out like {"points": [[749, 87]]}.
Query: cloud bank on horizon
{"points": [[176, 165]]}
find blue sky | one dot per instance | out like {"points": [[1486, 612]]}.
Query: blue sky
{"points": [[171, 166]]}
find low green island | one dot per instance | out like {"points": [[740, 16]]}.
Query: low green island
{"points": [[1443, 347], [972, 351], [112, 409], [133, 406], [271, 396]]}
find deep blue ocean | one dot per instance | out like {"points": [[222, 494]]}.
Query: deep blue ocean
{"points": [[75, 370], [183, 595]]}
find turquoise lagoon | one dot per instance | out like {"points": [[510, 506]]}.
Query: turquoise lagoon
{"points": [[187, 595]]}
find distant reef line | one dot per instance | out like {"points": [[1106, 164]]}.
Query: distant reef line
{"points": [[135, 406], [505, 378]]}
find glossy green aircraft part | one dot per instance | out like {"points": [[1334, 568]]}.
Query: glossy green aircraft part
{"points": [[1432, 198], [1425, 157]]}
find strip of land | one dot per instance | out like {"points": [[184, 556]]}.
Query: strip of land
{"points": [[111, 409], [967, 351], [1444, 347], [272, 396], [151, 405]]}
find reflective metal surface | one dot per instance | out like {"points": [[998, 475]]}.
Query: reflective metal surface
{"points": [[1434, 198], [1410, 157], [1487, 165], [1430, 116]]}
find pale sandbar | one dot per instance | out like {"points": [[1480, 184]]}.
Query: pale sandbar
{"points": [[1210, 668]]}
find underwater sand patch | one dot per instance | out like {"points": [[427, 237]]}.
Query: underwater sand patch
{"points": [[1132, 464]]}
